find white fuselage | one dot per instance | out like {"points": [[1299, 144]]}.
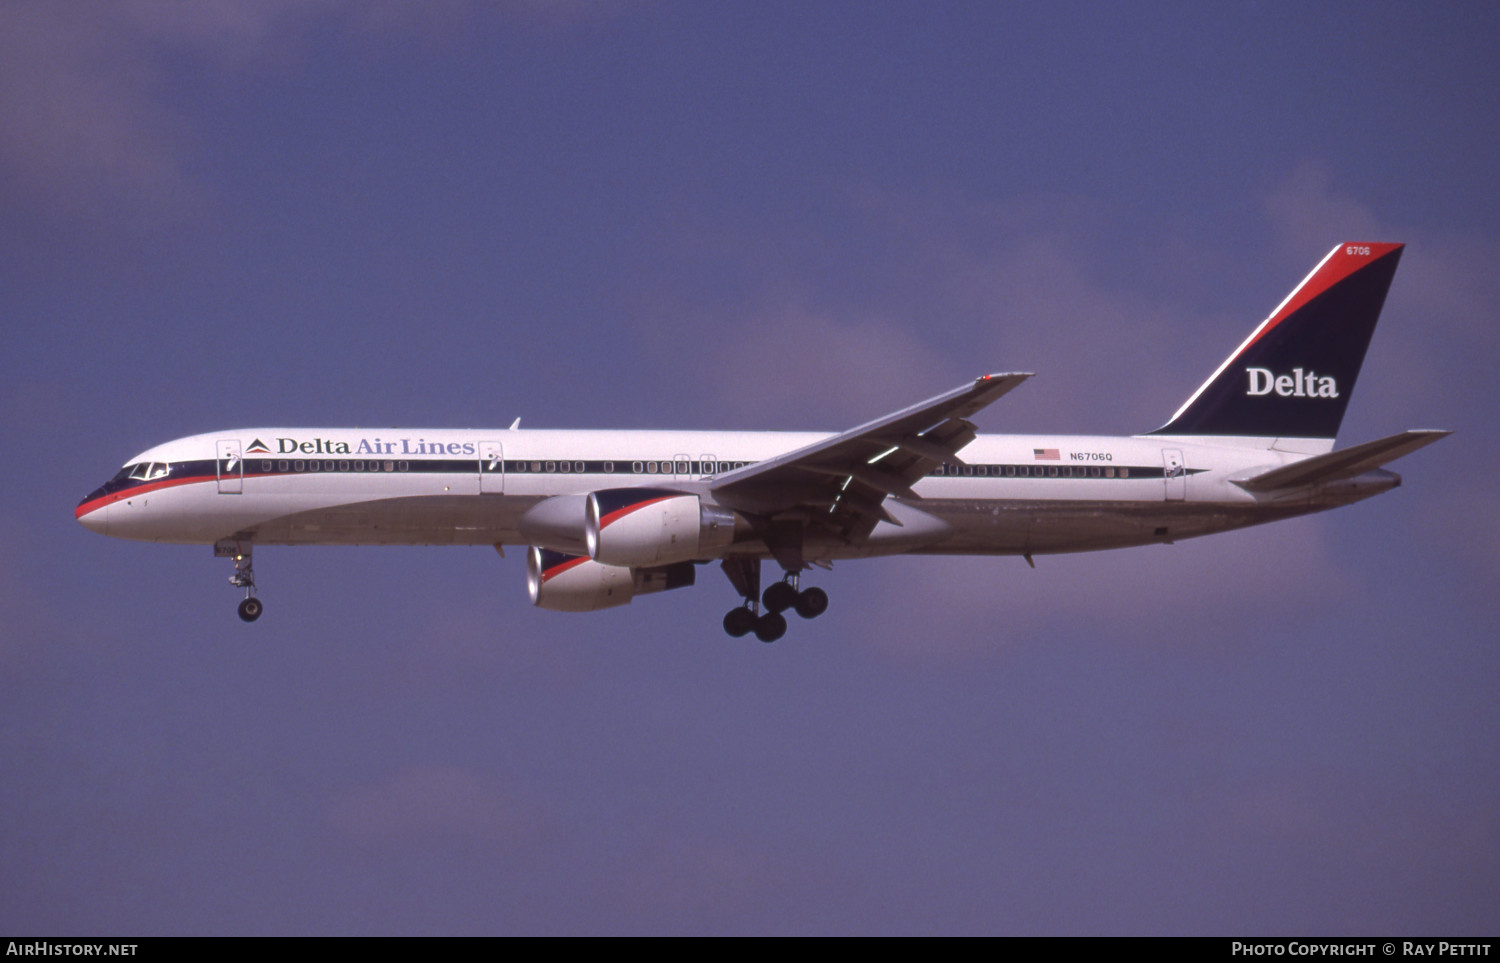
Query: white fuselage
{"points": [[1012, 494]]}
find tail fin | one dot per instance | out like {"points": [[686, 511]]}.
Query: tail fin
{"points": [[1293, 376]]}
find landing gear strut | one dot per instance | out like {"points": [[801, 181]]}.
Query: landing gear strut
{"points": [[769, 625], [244, 575]]}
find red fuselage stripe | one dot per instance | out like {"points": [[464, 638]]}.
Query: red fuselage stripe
{"points": [[110, 499]]}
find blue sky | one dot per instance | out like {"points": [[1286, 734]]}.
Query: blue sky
{"points": [[740, 215]]}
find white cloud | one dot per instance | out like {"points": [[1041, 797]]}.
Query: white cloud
{"points": [[1310, 216], [800, 365], [86, 122], [78, 120], [426, 799], [968, 606]]}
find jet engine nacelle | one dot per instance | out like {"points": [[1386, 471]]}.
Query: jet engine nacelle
{"points": [[650, 526], [556, 523], [576, 583]]}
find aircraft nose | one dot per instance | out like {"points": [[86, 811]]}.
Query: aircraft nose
{"points": [[92, 515]]}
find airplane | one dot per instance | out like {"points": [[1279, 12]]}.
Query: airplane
{"points": [[606, 516]]}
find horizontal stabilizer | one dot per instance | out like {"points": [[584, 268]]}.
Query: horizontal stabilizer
{"points": [[1345, 463]]}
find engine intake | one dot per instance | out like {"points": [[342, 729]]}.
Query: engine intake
{"points": [[575, 583], [651, 526]]}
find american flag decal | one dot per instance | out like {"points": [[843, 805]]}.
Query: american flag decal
{"points": [[1046, 454]]}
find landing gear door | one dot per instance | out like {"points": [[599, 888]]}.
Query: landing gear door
{"points": [[491, 468], [1175, 474], [231, 467]]}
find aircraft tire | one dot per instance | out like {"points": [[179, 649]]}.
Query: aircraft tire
{"points": [[812, 603], [250, 609], [739, 621], [770, 627], [779, 597]]}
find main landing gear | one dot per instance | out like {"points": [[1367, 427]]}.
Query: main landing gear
{"points": [[769, 625], [244, 575]]}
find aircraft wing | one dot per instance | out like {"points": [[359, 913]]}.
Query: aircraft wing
{"points": [[1345, 463], [839, 483]]}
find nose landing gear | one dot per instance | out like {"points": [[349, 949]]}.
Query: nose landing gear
{"points": [[251, 607]]}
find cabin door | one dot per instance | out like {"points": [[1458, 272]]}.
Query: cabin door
{"points": [[1175, 474], [491, 468], [231, 467]]}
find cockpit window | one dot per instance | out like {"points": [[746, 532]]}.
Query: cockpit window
{"points": [[149, 470]]}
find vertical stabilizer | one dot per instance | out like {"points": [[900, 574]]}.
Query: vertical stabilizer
{"points": [[1292, 378]]}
